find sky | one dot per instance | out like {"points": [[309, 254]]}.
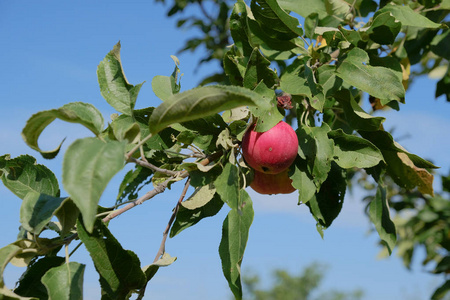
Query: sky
{"points": [[49, 55]]}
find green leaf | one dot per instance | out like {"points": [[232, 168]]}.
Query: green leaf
{"points": [[326, 205], [380, 217], [166, 86], [275, 21], [355, 115], [114, 86], [235, 231], [30, 284], [22, 175], [76, 112], [293, 80], [201, 102], [89, 164], [125, 128], [7, 294], [164, 261], [329, 82], [384, 29], [6, 254], [227, 186], [441, 291], [311, 22], [119, 269], [407, 16], [302, 181], [67, 214], [239, 30], [317, 149], [257, 70], [354, 152], [37, 210], [269, 117], [379, 82], [337, 7], [188, 217], [133, 182], [440, 45], [65, 282]]}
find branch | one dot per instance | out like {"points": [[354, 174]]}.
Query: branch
{"points": [[150, 166], [162, 248]]}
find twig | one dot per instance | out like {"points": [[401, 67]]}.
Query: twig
{"points": [[150, 166], [162, 247]]}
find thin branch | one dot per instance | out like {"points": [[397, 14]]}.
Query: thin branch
{"points": [[150, 166], [162, 247], [138, 146]]}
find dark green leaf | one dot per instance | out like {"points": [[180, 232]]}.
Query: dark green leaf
{"points": [[22, 175], [257, 70], [30, 284], [119, 269], [311, 23], [67, 215], [37, 210], [442, 291], [384, 29], [440, 45], [235, 231], [89, 164], [76, 112], [114, 86], [326, 205], [302, 181], [266, 118], [201, 102], [351, 151], [379, 82], [380, 217], [189, 217], [132, 183], [238, 29], [65, 282]]}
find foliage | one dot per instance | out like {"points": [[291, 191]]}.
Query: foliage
{"points": [[344, 52], [304, 286]]}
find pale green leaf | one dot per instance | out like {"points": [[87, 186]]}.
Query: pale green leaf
{"points": [[76, 112], [89, 164], [227, 186], [200, 197], [407, 16], [302, 181], [201, 102], [114, 86], [164, 261], [6, 254], [379, 82]]}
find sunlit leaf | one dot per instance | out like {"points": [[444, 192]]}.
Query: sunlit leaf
{"points": [[65, 282]]}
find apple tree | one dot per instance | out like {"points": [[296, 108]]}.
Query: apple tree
{"points": [[311, 64]]}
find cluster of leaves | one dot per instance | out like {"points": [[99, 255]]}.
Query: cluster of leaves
{"points": [[196, 135]]}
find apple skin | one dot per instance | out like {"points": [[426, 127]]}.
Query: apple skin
{"points": [[270, 152], [270, 184]]}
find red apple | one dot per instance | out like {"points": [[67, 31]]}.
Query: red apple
{"points": [[272, 183], [272, 151]]}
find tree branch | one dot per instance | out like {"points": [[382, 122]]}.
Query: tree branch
{"points": [[150, 166]]}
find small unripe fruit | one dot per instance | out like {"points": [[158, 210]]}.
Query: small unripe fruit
{"points": [[272, 151], [270, 184]]}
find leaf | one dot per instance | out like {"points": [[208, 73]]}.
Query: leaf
{"points": [[268, 117], [67, 214], [202, 102], [384, 29], [114, 86], [441, 291], [311, 22], [337, 7], [227, 186], [189, 217], [329, 82], [235, 231], [6, 254], [355, 115], [379, 82], [305, 7], [119, 269], [125, 128], [164, 261], [257, 70], [89, 164], [7, 294], [37, 210], [354, 152], [132, 183], [238, 29], [407, 16], [22, 175], [166, 86], [380, 217], [326, 205], [275, 21], [76, 112], [293, 80], [302, 181], [65, 282], [200, 197], [30, 284]]}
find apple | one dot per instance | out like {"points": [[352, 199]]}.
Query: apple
{"points": [[272, 151], [272, 183]]}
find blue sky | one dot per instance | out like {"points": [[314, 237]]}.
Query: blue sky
{"points": [[49, 55]]}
